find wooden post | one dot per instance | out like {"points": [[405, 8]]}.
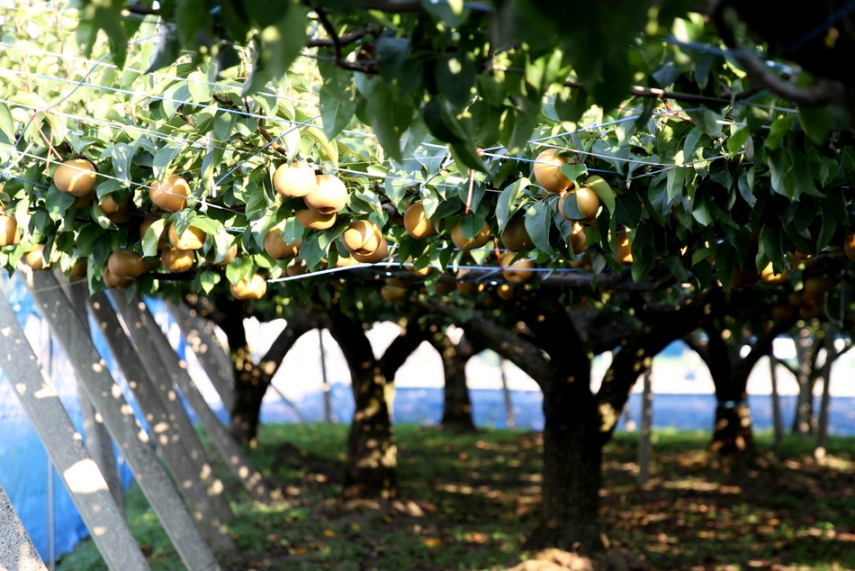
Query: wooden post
{"points": [[200, 335], [325, 383], [822, 426], [510, 421], [644, 435], [776, 402], [17, 552], [64, 446], [232, 454], [122, 425], [174, 444], [97, 439]]}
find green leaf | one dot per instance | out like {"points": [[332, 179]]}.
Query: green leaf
{"points": [[706, 121], [224, 124], [735, 141], [770, 241], [200, 90], [675, 182], [538, 222], [151, 238], [208, 279], [57, 202], [472, 224], [455, 76], [574, 171], [746, 187], [507, 199], [779, 129], [517, 127], [7, 124], [87, 237], [465, 154], [163, 158], [311, 251], [603, 191], [389, 116], [816, 121], [120, 156], [239, 268], [849, 158]]}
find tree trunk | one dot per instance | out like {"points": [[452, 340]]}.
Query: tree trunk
{"points": [[644, 435], [251, 379], [457, 409], [825, 402], [372, 464], [776, 403], [732, 434], [572, 472], [803, 421]]}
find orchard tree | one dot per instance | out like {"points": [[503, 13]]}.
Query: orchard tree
{"points": [[262, 147]]}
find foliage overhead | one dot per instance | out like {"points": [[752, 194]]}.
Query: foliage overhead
{"points": [[704, 167]]}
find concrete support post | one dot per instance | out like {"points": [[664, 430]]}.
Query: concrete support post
{"points": [[97, 439], [168, 437], [213, 356], [235, 458], [17, 551], [64, 446], [174, 408], [122, 425]]}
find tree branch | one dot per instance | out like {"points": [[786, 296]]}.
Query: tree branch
{"points": [[763, 346], [520, 352], [298, 323], [401, 348], [824, 93], [344, 39], [338, 60]]}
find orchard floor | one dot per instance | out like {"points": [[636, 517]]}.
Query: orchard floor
{"points": [[467, 502]]}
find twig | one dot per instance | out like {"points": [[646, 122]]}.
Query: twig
{"points": [[261, 130], [366, 67]]}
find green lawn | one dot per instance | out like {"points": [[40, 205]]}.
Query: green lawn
{"points": [[468, 501]]}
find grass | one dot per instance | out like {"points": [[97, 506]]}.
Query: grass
{"points": [[468, 501]]}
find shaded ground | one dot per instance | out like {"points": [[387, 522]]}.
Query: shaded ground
{"points": [[467, 502]]}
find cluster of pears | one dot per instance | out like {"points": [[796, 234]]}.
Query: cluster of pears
{"points": [[808, 300]]}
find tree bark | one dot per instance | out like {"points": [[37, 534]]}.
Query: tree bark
{"points": [[776, 402], [825, 402], [251, 379], [806, 351], [572, 467], [457, 406], [644, 435], [372, 464]]}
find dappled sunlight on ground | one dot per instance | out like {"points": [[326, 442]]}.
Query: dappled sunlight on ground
{"points": [[467, 502]]}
